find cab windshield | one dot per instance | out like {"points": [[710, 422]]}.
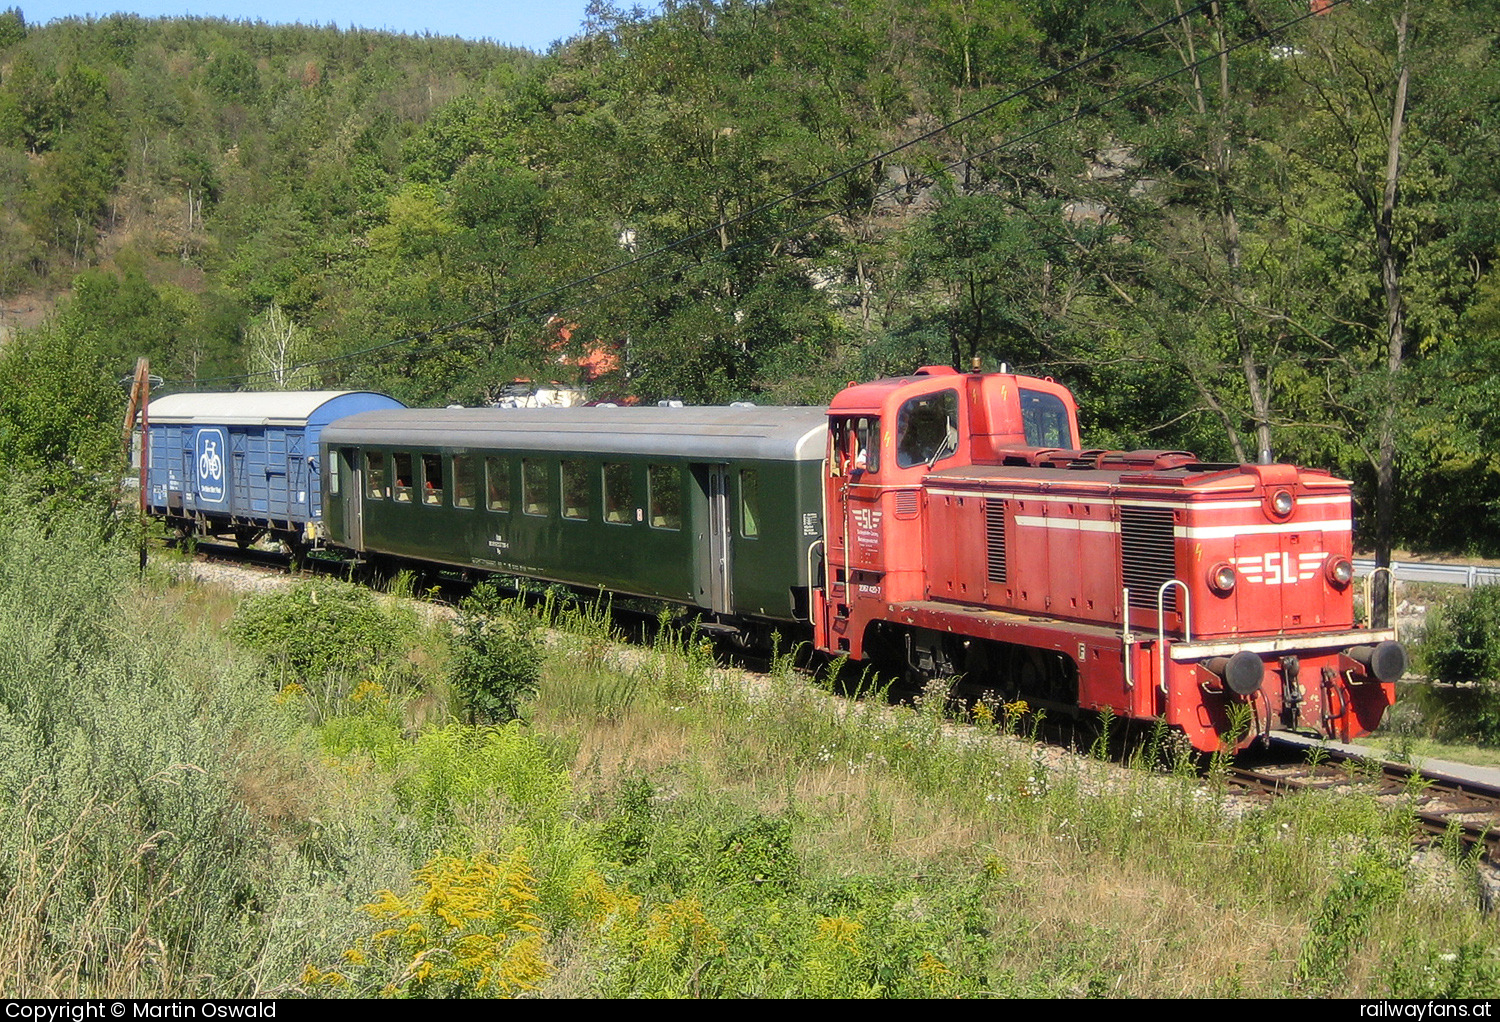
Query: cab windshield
{"points": [[1045, 419]]}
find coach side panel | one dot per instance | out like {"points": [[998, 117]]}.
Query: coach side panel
{"points": [[627, 524]]}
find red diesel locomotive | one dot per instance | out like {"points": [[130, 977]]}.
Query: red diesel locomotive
{"points": [[968, 532]]}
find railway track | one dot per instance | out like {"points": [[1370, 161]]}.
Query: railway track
{"points": [[1443, 807]]}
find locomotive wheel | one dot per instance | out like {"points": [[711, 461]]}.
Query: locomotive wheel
{"points": [[1047, 676]]}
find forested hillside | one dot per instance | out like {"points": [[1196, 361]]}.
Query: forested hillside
{"points": [[1234, 227]]}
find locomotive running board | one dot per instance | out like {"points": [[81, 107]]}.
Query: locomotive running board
{"points": [[1280, 643]]}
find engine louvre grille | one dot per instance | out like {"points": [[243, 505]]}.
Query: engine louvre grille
{"points": [[1148, 554], [994, 535]]}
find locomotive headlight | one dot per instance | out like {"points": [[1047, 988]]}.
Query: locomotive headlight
{"points": [[1282, 502], [1221, 578], [1340, 571]]}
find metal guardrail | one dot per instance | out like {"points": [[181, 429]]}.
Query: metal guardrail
{"points": [[1469, 575]]}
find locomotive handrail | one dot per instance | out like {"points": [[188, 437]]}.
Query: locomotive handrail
{"points": [[1127, 639], [851, 484], [827, 566], [1161, 629], [844, 528], [812, 579]]}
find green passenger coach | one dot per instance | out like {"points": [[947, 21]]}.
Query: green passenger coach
{"points": [[716, 508]]}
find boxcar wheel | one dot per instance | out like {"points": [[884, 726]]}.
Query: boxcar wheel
{"points": [[296, 549]]}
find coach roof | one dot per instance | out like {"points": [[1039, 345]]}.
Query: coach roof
{"points": [[771, 433], [251, 408]]}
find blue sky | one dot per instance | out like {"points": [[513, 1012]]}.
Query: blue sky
{"points": [[535, 24]]}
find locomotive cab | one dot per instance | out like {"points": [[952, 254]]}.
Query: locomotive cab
{"points": [[884, 439], [969, 531]]}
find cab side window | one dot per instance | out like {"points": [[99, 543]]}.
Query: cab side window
{"points": [[927, 429], [856, 445]]}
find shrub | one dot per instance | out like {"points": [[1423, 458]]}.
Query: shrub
{"points": [[497, 656], [1463, 637], [317, 627]]}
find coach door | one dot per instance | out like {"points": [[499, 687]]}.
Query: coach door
{"points": [[711, 531], [349, 487]]}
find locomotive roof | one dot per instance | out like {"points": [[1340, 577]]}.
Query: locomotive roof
{"points": [[769, 433], [1192, 479], [247, 408]]}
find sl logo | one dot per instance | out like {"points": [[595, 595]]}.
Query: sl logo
{"points": [[1280, 569], [866, 518]]}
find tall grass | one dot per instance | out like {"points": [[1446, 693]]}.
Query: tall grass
{"points": [[177, 821], [128, 862]]}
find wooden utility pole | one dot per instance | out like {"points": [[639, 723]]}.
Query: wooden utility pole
{"points": [[140, 397]]}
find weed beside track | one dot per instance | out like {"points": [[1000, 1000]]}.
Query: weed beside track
{"points": [[652, 826]]}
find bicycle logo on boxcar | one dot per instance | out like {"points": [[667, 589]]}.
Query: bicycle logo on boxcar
{"points": [[210, 446]]}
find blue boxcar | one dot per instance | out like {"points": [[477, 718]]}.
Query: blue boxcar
{"points": [[245, 464]]}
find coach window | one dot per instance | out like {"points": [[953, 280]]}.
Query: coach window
{"points": [[497, 484], [856, 445], [432, 479], [465, 480], [401, 465], [749, 503], [927, 429], [619, 497], [663, 483], [575, 490], [375, 475], [1045, 419], [535, 500]]}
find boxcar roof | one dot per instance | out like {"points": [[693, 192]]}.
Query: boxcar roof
{"points": [[771, 433], [246, 408]]}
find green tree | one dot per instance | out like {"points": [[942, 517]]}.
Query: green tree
{"points": [[61, 414], [12, 26], [1384, 84]]}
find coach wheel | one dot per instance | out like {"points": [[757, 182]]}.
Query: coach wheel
{"points": [[244, 536]]}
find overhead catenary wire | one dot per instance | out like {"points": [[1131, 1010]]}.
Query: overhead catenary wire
{"points": [[771, 204]]}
